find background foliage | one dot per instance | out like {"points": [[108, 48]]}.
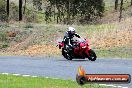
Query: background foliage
{"points": [[57, 11]]}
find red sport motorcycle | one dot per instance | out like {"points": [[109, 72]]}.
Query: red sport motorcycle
{"points": [[80, 50]]}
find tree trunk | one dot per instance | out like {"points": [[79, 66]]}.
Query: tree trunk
{"points": [[54, 12], [20, 10], [116, 4], [68, 12], [7, 8], [131, 2], [121, 7], [24, 7]]}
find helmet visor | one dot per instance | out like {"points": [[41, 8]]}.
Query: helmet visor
{"points": [[72, 32]]}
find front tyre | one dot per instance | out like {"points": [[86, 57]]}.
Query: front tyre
{"points": [[92, 55]]}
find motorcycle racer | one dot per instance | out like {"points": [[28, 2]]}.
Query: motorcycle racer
{"points": [[68, 38], [76, 48]]}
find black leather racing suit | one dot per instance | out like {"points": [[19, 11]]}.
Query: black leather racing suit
{"points": [[68, 40]]}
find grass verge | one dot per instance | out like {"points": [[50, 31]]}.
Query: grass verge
{"points": [[11, 81], [109, 53], [41, 39]]}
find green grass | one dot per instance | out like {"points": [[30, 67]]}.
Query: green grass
{"points": [[120, 52], [11, 81]]}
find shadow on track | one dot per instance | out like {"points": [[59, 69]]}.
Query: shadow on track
{"points": [[74, 60]]}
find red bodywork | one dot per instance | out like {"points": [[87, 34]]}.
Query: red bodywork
{"points": [[81, 49]]}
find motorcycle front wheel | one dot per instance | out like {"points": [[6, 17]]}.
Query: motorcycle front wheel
{"points": [[92, 55]]}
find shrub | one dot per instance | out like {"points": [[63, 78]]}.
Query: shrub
{"points": [[29, 25], [3, 36]]}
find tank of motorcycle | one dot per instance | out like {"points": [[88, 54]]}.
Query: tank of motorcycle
{"points": [[81, 40]]}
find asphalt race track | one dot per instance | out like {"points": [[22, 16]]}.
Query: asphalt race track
{"points": [[58, 67]]}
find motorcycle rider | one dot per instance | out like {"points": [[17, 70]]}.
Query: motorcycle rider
{"points": [[68, 38]]}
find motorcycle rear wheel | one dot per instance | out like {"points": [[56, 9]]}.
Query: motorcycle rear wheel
{"points": [[68, 56], [63, 53]]}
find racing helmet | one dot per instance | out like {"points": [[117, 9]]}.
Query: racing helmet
{"points": [[71, 30]]}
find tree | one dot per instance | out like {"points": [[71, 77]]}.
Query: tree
{"points": [[68, 10], [3, 11], [121, 7], [131, 2], [116, 4], [20, 10], [7, 8], [37, 4]]}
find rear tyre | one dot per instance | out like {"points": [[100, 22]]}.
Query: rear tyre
{"points": [[92, 55], [63, 53], [66, 54]]}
